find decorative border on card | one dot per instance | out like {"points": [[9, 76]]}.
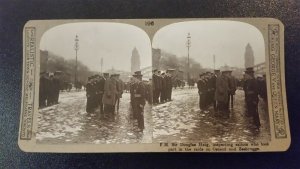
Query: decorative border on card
{"points": [[29, 83]]}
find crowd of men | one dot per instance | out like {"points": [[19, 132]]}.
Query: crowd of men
{"points": [[162, 86], [104, 93], [49, 89], [218, 89]]}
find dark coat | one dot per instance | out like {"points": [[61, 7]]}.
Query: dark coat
{"points": [[222, 89], [110, 92]]}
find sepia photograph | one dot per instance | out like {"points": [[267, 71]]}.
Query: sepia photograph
{"points": [[154, 85], [94, 84], [209, 83]]}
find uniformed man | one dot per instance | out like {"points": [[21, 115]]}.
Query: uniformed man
{"points": [[232, 89], [211, 88], [120, 88], [139, 99], [51, 95], [214, 81], [221, 94], [163, 88], [156, 86], [56, 86], [201, 84], [169, 84], [262, 86], [159, 73], [251, 94], [132, 86], [90, 95], [99, 89], [43, 92], [110, 93]]}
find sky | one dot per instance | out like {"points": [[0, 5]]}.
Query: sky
{"points": [[113, 42], [224, 39]]}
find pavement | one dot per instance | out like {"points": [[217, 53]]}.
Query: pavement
{"points": [[178, 120], [68, 122], [181, 120]]}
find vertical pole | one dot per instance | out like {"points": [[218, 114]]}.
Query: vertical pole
{"points": [[188, 45], [76, 48], [188, 68], [75, 81]]}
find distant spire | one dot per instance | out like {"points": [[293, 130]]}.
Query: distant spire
{"points": [[135, 60], [249, 56]]}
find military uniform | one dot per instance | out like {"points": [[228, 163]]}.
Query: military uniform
{"points": [[163, 88], [138, 99], [110, 93], [99, 88], [56, 86], [221, 94], [51, 95], [211, 84], [214, 79], [251, 94], [90, 95], [232, 89], [120, 88], [43, 90], [156, 86], [202, 90], [169, 87]]}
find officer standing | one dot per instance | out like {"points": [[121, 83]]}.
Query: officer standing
{"points": [[211, 88], [232, 89], [251, 94], [51, 95], [214, 81], [163, 88], [139, 99], [110, 93], [132, 86], [201, 84], [160, 81], [43, 92], [221, 95], [99, 92], [169, 84], [89, 95], [156, 86], [56, 87], [120, 88]]}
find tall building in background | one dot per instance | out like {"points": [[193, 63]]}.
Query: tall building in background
{"points": [[249, 56], [135, 61]]}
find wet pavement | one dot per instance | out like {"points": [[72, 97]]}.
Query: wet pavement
{"points": [[68, 122], [178, 120], [181, 120]]}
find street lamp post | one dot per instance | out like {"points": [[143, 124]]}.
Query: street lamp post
{"points": [[76, 48], [188, 45]]}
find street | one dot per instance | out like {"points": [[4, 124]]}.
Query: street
{"points": [[178, 120], [181, 120], [68, 122]]}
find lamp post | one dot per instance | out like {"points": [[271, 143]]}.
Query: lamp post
{"points": [[76, 48], [188, 45]]}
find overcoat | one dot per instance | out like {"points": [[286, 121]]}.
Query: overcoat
{"points": [[222, 88], [110, 92]]}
